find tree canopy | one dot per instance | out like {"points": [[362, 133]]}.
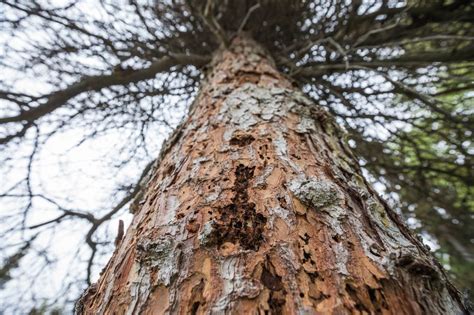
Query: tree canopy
{"points": [[89, 90]]}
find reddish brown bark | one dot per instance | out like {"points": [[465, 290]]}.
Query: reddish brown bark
{"points": [[257, 206]]}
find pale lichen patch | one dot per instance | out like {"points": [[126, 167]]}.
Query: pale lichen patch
{"points": [[281, 213], [197, 164], [306, 125], [249, 104], [206, 233], [334, 218], [281, 150], [280, 146], [260, 181], [228, 133], [316, 193], [342, 257], [288, 256], [161, 254], [172, 205], [301, 98], [376, 208], [235, 285], [140, 288], [248, 288], [380, 217], [213, 196]]}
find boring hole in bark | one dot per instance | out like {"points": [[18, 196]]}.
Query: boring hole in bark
{"points": [[239, 222], [197, 297], [313, 276], [372, 296], [350, 245], [305, 238], [405, 260], [195, 308], [359, 305], [377, 298], [320, 297], [345, 173], [296, 156], [168, 171], [375, 249], [306, 256], [242, 140], [272, 281], [355, 196], [283, 203], [192, 227], [424, 269]]}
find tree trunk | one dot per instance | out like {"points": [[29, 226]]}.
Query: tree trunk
{"points": [[257, 206]]}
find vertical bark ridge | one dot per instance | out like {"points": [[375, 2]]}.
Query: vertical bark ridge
{"points": [[259, 207]]}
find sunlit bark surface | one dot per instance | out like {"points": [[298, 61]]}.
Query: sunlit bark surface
{"points": [[258, 207]]}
